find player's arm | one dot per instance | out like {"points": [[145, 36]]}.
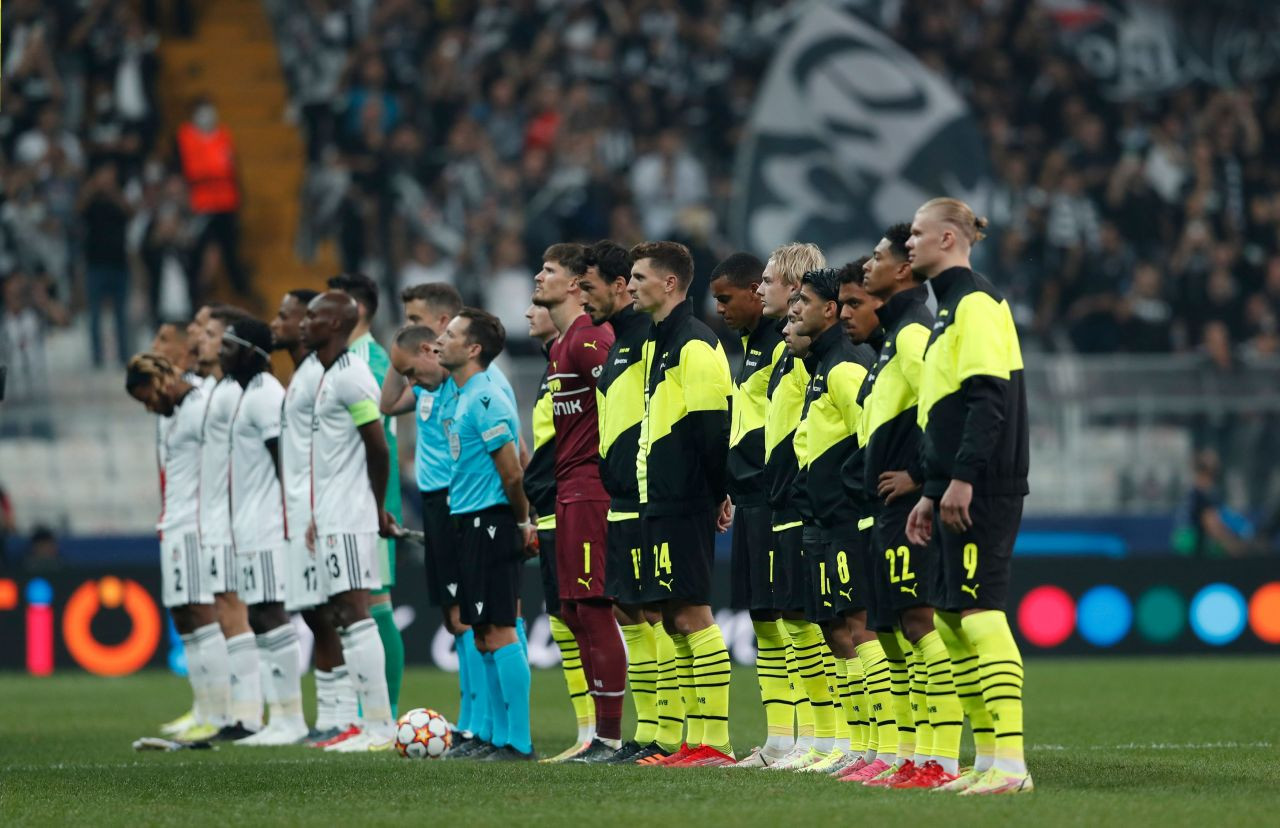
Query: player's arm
{"points": [[707, 387], [910, 345], [397, 395], [988, 355], [378, 460], [511, 472]]}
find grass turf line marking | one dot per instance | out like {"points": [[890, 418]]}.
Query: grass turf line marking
{"points": [[1157, 746]]}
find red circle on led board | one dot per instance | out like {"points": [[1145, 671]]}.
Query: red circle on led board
{"points": [[1264, 612], [1046, 616]]}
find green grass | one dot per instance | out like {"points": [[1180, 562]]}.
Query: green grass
{"points": [[1112, 741]]}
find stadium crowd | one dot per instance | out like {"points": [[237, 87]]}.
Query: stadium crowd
{"points": [[458, 141]]}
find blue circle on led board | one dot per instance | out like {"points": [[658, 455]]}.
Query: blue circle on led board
{"points": [[1218, 614], [1104, 616]]}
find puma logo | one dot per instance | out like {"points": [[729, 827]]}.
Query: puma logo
{"points": [[666, 584], [972, 590], [911, 590], [846, 594], [586, 583], [591, 345]]}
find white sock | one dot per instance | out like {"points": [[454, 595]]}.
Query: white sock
{"points": [[888, 758], [804, 742], [366, 664], [870, 756], [983, 762], [246, 682], [779, 745], [264, 680], [215, 664], [283, 655], [326, 707], [951, 766], [1018, 766], [825, 744], [346, 708], [586, 732], [842, 744], [195, 675]]}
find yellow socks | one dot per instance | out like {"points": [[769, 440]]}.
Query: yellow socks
{"points": [[900, 693], [799, 697], [964, 669], [808, 643], [711, 670], [642, 676], [670, 708], [945, 715], [856, 711], [876, 668], [920, 706], [775, 685], [575, 679], [1000, 669], [688, 692]]}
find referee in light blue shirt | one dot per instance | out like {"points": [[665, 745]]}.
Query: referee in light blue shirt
{"points": [[491, 514]]}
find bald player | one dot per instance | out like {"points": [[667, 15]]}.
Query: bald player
{"points": [[349, 468]]}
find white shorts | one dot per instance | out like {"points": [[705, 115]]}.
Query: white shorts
{"points": [[348, 562], [303, 587], [219, 567], [181, 569], [260, 576]]}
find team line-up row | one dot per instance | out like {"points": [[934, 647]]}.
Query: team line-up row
{"points": [[869, 455]]}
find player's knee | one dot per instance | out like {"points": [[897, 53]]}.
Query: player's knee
{"points": [[182, 620], [764, 616], [917, 623]]}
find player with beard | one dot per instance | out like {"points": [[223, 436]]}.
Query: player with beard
{"points": [[257, 525], [973, 465], [577, 359], [349, 468], [651, 657], [335, 694], [179, 406]]}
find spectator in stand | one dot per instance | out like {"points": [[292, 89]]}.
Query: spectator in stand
{"points": [[30, 308], [105, 213], [665, 182], [206, 155]]}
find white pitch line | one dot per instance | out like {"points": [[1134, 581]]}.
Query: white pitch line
{"points": [[1156, 746]]}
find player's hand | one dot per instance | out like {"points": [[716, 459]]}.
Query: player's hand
{"points": [[311, 536], [895, 484], [724, 519], [386, 524], [530, 541], [920, 522], [954, 506]]}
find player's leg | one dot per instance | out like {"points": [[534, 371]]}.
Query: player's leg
{"points": [[684, 561], [946, 719], [243, 679], [504, 655], [350, 572], [570, 656], [382, 613], [623, 571], [278, 642], [985, 552], [581, 547], [808, 642]]}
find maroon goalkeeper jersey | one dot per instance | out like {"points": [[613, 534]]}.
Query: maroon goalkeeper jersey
{"points": [[577, 358]]}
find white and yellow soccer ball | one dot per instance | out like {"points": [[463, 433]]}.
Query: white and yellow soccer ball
{"points": [[423, 733]]}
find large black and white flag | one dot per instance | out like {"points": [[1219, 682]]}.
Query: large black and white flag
{"points": [[850, 134]]}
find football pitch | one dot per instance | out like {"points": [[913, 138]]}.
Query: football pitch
{"points": [[1186, 741]]}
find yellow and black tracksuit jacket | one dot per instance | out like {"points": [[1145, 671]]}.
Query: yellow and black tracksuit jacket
{"points": [[828, 431], [540, 474], [684, 437], [973, 402], [889, 434], [620, 406], [761, 350], [787, 383]]}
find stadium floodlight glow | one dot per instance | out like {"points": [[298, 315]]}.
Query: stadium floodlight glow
{"points": [[1218, 614], [1162, 615], [1104, 615], [1046, 616], [1264, 612]]}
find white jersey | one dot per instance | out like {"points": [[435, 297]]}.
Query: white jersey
{"points": [[295, 445], [346, 400], [257, 509], [180, 452], [215, 451]]}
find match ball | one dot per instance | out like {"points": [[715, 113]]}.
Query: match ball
{"points": [[422, 733]]}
